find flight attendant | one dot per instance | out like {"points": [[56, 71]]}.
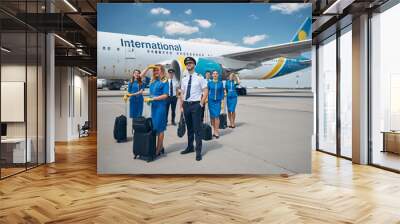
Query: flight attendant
{"points": [[172, 96], [230, 87], [215, 97], [135, 94], [208, 78], [158, 96], [193, 95]]}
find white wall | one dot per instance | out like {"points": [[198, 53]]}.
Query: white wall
{"points": [[71, 94]]}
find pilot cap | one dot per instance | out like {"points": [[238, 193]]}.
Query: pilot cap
{"points": [[187, 59], [171, 70]]}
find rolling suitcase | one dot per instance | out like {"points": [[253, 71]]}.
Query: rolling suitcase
{"points": [[144, 145], [223, 120], [120, 128], [142, 124]]}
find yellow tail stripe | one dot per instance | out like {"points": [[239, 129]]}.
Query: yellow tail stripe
{"points": [[181, 59], [275, 69]]}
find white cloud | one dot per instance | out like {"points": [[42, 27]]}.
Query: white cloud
{"points": [[188, 12], [211, 41], [154, 36], [249, 40], [253, 16], [203, 23], [174, 28], [288, 8], [157, 11]]}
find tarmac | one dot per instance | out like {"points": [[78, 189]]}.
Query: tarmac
{"points": [[273, 136]]}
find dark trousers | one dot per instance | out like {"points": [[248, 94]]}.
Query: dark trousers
{"points": [[171, 102], [192, 113]]}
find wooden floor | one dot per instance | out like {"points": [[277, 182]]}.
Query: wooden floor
{"points": [[70, 191]]}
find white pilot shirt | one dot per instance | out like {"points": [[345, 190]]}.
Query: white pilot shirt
{"points": [[197, 86], [174, 87]]}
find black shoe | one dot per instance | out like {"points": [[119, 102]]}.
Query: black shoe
{"points": [[162, 150], [173, 123], [187, 150], [198, 157]]}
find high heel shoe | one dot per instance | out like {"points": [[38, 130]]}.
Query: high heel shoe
{"points": [[162, 150]]}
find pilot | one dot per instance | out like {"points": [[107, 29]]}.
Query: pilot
{"points": [[135, 94], [193, 95], [231, 99], [158, 96], [208, 75], [215, 97], [173, 88]]}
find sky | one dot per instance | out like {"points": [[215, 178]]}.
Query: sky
{"points": [[240, 24]]}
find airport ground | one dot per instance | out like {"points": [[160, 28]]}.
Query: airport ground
{"points": [[273, 136]]}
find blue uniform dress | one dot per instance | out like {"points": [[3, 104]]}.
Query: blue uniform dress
{"points": [[135, 102], [232, 96], [159, 107], [215, 96]]}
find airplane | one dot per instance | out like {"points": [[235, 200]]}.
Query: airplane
{"points": [[119, 54]]}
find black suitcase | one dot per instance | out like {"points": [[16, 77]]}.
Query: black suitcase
{"points": [[120, 129], [142, 124], [223, 121], [144, 145], [206, 132]]}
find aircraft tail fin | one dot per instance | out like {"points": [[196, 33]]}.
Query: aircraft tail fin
{"points": [[304, 32]]}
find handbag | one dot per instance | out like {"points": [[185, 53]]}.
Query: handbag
{"points": [[181, 127], [206, 131]]}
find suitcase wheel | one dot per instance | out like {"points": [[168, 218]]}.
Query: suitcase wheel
{"points": [[135, 157]]}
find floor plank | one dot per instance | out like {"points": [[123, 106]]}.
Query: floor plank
{"points": [[70, 191]]}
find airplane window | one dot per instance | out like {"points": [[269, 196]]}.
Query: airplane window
{"points": [[108, 48], [152, 51], [117, 48], [159, 52], [104, 48], [155, 52]]}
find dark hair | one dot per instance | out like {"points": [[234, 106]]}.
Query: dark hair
{"points": [[139, 79], [208, 71]]}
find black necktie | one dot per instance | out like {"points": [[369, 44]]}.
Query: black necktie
{"points": [[188, 88], [170, 89]]}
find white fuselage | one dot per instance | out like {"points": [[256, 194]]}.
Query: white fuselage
{"points": [[119, 54]]}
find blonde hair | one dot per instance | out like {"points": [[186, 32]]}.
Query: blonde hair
{"points": [[233, 75], [162, 71]]}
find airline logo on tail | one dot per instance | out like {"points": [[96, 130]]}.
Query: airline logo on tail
{"points": [[304, 31]]}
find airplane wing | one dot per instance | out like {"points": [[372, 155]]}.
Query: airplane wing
{"points": [[288, 50]]}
